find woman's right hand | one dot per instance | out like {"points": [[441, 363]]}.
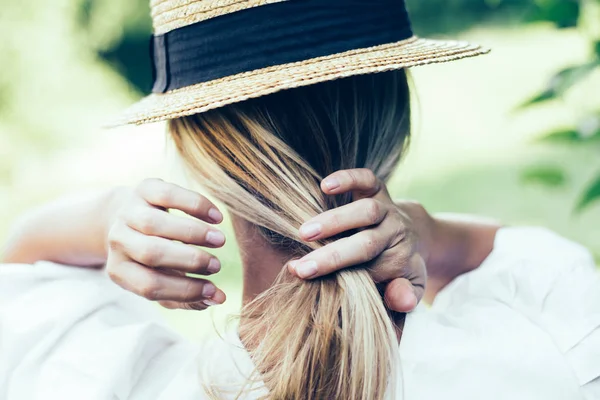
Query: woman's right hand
{"points": [[393, 239], [150, 251]]}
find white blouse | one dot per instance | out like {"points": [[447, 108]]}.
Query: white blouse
{"points": [[525, 325]]}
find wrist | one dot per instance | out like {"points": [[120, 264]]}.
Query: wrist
{"points": [[446, 249], [115, 199], [460, 244]]}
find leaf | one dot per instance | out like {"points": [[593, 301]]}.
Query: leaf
{"points": [[547, 94], [587, 131], [545, 175], [591, 195], [597, 49], [566, 136], [562, 81]]}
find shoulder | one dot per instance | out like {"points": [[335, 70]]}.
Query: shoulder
{"points": [[524, 259], [68, 332], [530, 315], [538, 246]]}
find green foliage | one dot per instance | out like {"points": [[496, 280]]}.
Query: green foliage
{"points": [[459, 15], [587, 132], [567, 136], [568, 13], [591, 195], [547, 175], [563, 13], [560, 83], [123, 40]]}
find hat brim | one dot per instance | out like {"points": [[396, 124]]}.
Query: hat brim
{"points": [[232, 89]]}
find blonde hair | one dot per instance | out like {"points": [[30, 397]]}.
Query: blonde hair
{"points": [[329, 338]]}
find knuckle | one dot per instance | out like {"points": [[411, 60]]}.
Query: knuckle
{"points": [[114, 240], [151, 254], [370, 246], [112, 273], [400, 225], [163, 195], [370, 178], [189, 234], [194, 233], [336, 260], [198, 260], [149, 288], [188, 292], [334, 222], [146, 221], [400, 233], [200, 204], [373, 211], [352, 178], [402, 255]]}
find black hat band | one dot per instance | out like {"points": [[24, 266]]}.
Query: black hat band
{"points": [[273, 34]]}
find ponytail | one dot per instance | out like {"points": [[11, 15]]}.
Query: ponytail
{"points": [[332, 337]]}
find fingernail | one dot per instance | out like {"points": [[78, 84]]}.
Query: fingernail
{"points": [[215, 238], [306, 269], [210, 303], [293, 264], [332, 183], [215, 215], [414, 303], [209, 290], [214, 266], [310, 230]]}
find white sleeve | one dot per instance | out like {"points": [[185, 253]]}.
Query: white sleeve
{"points": [[70, 333], [551, 281]]}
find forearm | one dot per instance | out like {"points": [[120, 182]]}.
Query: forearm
{"points": [[71, 230], [459, 245]]}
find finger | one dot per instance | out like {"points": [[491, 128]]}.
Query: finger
{"points": [[217, 299], [156, 252], [153, 285], [359, 214], [400, 296], [362, 182], [168, 195], [346, 252], [174, 305], [155, 222], [410, 281]]}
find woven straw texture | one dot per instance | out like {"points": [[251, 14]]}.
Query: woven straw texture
{"points": [[168, 15], [232, 89]]}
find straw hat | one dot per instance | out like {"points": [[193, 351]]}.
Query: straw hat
{"points": [[211, 53]]}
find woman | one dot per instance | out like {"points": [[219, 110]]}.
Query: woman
{"points": [[524, 323]]}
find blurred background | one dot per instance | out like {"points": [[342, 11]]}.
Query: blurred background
{"points": [[514, 135]]}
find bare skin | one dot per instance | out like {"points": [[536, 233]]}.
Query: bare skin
{"points": [[407, 238], [149, 251]]}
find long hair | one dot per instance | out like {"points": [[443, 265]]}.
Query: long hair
{"points": [[332, 337]]}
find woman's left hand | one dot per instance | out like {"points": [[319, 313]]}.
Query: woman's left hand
{"points": [[393, 238]]}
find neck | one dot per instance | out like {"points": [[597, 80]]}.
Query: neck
{"points": [[261, 263]]}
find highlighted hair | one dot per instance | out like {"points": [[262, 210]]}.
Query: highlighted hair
{"points": [[330, 338]]}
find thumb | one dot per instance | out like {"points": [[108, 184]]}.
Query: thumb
{"points": [[400, 296]]}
